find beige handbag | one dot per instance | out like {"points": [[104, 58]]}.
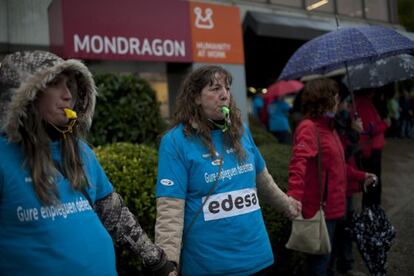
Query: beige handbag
{"points": [[311, 235]]}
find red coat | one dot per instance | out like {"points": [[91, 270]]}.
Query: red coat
{"points": [[354, 177], [374, 127], [303, 168]]}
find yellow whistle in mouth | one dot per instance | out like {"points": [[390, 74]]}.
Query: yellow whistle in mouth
{"points": [[70, 114]]}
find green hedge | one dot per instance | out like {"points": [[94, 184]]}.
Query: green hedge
{"points": [[132, 170], [126, 111]]}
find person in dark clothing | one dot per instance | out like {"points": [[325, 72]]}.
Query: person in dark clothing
{"points": [[405, 115], [349, 128]]}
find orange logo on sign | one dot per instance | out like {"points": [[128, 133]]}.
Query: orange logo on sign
{"points": [[216, 33]]}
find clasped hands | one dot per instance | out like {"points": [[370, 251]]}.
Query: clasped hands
{"points": [[295, 208]]}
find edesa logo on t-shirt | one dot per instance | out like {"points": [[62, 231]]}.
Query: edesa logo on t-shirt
{"points": [[230, 204]]}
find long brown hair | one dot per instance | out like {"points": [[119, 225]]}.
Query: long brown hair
{"points": [[319, 97], [192, 116], [36, 148]]}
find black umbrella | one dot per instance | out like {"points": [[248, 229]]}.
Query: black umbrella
{"points": [[373, 234], [381, 72]]}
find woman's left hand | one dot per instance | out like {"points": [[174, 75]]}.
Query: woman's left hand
{"points": [[370, 180], [357, 125]]}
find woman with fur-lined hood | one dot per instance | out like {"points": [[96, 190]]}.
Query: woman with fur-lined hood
{"points": [[58, 210]]}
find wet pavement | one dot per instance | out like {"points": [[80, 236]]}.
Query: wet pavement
{"points": [[398, 202]]}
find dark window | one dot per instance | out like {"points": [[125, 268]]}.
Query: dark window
{"points": [[377, 9], [352, 8]]}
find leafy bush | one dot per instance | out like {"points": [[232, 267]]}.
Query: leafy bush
{"points": [[132, 169], [260, 134], [126, 111]]}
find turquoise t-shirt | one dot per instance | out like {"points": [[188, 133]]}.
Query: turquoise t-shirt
{"points": [[65, 239], [229, 236]]}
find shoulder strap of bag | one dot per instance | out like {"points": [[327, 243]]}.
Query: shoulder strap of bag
{"points": [[210, 192], [323, 195]]}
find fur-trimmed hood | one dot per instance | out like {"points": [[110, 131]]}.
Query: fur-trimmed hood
{"points": [[24, 74]]}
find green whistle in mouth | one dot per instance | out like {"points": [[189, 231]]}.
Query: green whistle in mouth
{"points": [[227, 122], [225, 110]]}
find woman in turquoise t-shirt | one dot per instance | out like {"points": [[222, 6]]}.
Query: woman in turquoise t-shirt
{"points": [[210, 179], [58, 210]]}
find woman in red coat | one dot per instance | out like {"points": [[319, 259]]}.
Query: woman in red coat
{"points": [[320, 101], [372, 142]]}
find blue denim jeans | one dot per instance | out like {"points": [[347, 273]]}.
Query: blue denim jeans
{"points": [[317, 265]]}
